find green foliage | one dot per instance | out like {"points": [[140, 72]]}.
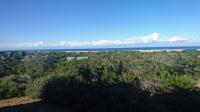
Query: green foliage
{"points": [[94, 96], [9, 88], [39, 65], [108, 81], [34, 89], [180, 100], [173, 82]]}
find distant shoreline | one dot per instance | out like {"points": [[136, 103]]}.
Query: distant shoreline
{"points": [[140, 49]]}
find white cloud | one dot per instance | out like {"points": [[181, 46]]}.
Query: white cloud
{"points": [[140, 40], [150, 38], [34, 44], [177, 39], [86, 43], [95, 43], [144, 39]]}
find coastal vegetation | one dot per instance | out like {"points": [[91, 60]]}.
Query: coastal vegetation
{"points": [[120, 81]]}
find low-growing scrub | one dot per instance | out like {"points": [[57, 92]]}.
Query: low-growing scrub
{"points": [[9, 89], [101, 96], [34, 88], [97, 96], [173, 82], [107, 81]]}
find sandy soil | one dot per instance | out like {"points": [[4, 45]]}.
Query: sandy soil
{"points": [[198, 83], [17, 101], [26, 104]]}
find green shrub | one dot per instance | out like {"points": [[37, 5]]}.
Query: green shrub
{"points": [[183, 100], [34, 89], [94, 96], [9, 88], [174, 82]]}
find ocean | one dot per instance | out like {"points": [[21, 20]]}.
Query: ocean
{"points": [[143, 49], [131, 49]]}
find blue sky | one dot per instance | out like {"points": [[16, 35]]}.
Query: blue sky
{"points": [[98, 23]]}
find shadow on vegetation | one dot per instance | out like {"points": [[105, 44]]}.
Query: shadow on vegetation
{"points": [[80, 96], [93, 96], [180, 100], [61, 94]]}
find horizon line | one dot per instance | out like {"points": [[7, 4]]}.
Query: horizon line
{"points": [[100, 48]]}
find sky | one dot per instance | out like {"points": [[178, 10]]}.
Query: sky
{"points": [[38, 24]]}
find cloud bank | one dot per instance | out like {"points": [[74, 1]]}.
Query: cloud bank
{"points": [[177, 39], [34, 44], [153, 39], [147, 39]]}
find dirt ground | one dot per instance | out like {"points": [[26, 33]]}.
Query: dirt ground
{"points": [[26, 104], [198, 83], [17, 101]]}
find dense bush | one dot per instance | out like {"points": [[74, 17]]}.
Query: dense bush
{"points": [[107, 81], [180, 100], [173, 82], [9, 88], [34, 88], [98, 96]]}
